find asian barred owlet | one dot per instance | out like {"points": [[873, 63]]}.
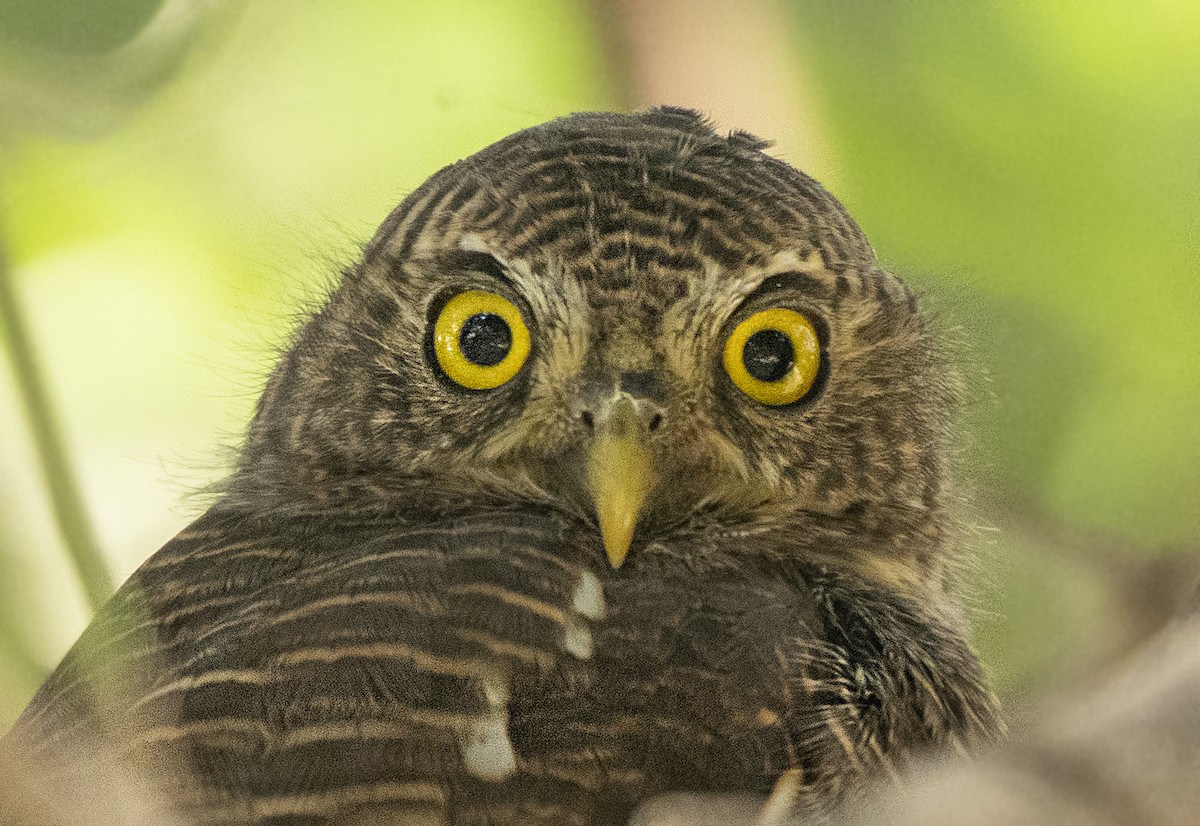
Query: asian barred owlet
{"points": [[615, 466]]}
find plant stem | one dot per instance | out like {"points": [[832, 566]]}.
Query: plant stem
{"points": [[65, 499], [22, 666]]}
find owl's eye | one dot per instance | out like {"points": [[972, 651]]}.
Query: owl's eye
{"points": [[773, 356], [480, 340]]}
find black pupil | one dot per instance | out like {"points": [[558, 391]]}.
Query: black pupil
{"points": [[485, 339], [768, 355]]}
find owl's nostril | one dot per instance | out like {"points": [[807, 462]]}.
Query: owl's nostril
{"points": [[601, 392], [648, 414]]}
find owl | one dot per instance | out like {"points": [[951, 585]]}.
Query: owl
{"points": [[615, 466]]}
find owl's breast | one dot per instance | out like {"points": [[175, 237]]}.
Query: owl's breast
{"points": [[687, 689], [724, 682]]}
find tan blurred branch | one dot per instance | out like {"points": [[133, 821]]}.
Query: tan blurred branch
{"points": [[1128, 752], [106, 793], [1146, 589], [739, 61]]}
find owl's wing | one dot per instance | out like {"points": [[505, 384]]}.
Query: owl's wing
{"points": [[312, 672]]}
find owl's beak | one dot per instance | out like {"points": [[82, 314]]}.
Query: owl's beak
{"points": [[619, 472]]}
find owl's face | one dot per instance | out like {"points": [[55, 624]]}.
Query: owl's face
{"points": [[632, 319]]}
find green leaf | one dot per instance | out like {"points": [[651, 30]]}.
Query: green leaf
{"points": [[78, 27]]}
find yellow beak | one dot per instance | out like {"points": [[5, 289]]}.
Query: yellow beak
{"points": [[620, 474]]}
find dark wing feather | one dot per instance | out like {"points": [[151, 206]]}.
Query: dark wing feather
{"points": [[308, 673], [311, 673]]}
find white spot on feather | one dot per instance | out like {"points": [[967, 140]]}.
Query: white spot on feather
{"points": [[495, 690], [588, 598], [577, 639], [487, 752]]}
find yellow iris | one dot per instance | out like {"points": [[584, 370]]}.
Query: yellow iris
{"points": [[480, 339], [773, 356]]}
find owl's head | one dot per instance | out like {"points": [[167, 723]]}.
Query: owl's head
{"points": [[651, 327]]}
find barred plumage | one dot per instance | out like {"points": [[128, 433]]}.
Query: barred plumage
{"points": [[401, 604]]}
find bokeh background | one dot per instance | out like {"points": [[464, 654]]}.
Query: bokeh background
{"points": [[179, 180]]}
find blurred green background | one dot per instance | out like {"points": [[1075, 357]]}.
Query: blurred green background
{"points": [[179, 180]]}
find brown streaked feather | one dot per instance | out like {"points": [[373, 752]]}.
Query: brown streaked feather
{"points": [[346, 684]]}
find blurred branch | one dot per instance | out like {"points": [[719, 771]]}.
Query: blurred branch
{"points": [[1125, 752], [738, 62], [1149, 590], [104, 792], [65, 499]]}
